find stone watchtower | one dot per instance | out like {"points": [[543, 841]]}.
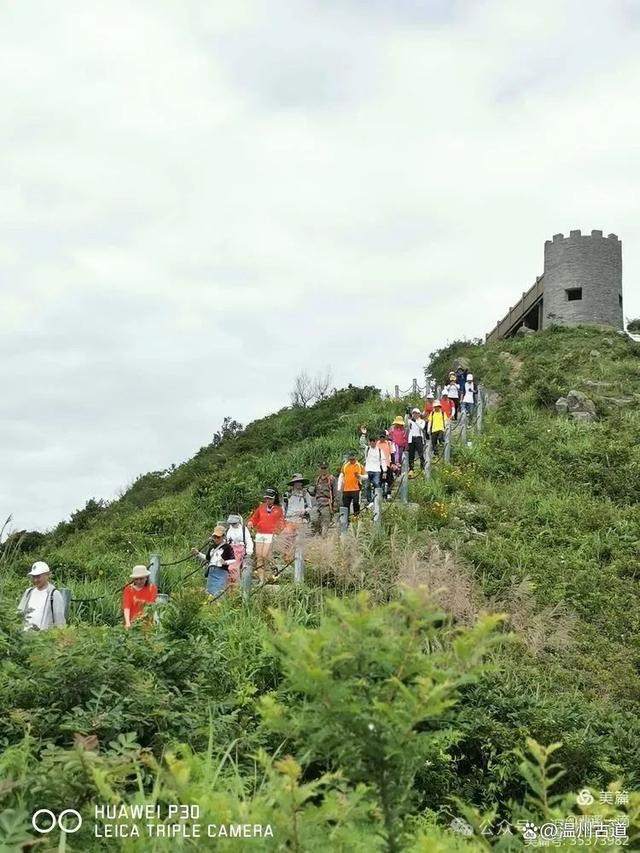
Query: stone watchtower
{"points": [[583, 280]]}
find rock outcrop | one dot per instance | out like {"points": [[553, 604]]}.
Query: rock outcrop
{"points": [[577, 406], [491, 398], [524, 332]]}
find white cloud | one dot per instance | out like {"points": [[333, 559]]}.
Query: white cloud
{"points": [[199, 201]]}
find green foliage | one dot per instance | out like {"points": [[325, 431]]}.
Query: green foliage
{"points": [[368, 692]]}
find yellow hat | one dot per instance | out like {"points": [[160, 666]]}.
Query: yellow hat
{"points": [[219, 530], [399, 421]]}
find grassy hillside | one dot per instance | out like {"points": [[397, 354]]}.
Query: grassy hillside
{"points": [[558, 501], [389, 705]]}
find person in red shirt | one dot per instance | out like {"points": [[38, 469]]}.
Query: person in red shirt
{"points": [[447, 404], [267, 520], [136, 594], [428, 406]]}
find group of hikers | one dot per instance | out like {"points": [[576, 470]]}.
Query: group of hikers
{"points": [[305, 509], [458, 395]]}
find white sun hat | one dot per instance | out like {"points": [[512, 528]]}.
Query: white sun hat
{"points": [[39, 568], [140, 572]]}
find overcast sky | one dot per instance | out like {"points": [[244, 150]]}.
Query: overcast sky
{"points": [[199, 199]]}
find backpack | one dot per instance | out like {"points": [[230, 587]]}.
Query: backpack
{"points": [[307, 502], [332, 487]]}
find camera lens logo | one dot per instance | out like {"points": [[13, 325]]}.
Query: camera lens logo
{"points": [[585, 797], [45, 821]]}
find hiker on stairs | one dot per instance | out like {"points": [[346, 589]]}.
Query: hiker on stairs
{"points": [[267, 520], [325, 498], [386, 446], [240, 540], [349, 483], [461, 378], [297, 512], [437, 425], [469, 398], [452, 390], [217, 559], [416, 435], [42, 604], [398, 435], [428, 406], [375, 465], [448, 405]]}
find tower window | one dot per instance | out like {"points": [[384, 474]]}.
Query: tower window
{"points": [[574, 294]]}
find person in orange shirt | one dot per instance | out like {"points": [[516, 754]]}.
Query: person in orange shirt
{"points": [[350, 475], [136, 594], [267, 521]]}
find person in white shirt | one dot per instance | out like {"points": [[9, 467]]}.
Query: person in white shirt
{"points": [[42, 605], [375, 464], [415, 434], [240, 540], [469, 394], [453, 392]]}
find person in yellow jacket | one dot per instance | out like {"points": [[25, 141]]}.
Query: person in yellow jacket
{"points": [[437, 425]]}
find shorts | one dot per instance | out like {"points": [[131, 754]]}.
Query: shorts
{"points": [[265, 538]]}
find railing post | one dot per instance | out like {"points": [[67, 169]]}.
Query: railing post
{"points": [[154, 567], [480, 412], [404, 479], [344, 519], [463, 426], [427, 458], [246, 575], [397, 392], [377, 507], [298, 567], [447, 443], [66, 600], [162, 599]]}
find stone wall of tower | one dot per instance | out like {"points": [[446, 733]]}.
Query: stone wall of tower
{"points": [[589, 266]]}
